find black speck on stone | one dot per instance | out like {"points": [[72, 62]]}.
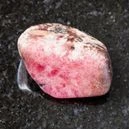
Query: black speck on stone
{"points": [[107, 21]]}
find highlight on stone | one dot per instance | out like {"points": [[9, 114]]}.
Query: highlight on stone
{"points": [[64, 62]]}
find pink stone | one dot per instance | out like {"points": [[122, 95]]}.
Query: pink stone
{"points": [[65, 62]]}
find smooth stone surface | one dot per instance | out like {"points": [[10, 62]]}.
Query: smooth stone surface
{"points": [[65, 62], [108, 21]]}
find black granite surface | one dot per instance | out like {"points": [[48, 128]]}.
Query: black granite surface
{"points": [[108, 21]]}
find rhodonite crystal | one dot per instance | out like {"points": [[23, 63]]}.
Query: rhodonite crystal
{"points": [[65, 62]]}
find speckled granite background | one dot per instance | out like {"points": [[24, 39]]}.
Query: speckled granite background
{"points": [[106, 20]]}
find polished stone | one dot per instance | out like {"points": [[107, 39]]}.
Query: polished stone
{"points": [[65, 62]]}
